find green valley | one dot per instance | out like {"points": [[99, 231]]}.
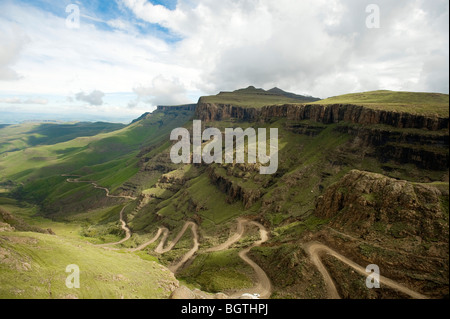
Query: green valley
{"points": [[362, 179]]}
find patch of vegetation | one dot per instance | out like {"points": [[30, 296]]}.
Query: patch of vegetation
{"points": [[218, 272], [21, 136], [398, 230], [379, 226], [366, 250]]}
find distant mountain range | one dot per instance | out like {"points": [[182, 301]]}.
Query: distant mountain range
{"points": [[274, 92]]}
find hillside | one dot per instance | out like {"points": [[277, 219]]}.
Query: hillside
{"points": [[32, 265], [20, 136], [431, 104], [368, 184]]}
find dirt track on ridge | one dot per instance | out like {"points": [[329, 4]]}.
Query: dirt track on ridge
{"points": [[165, 233]]}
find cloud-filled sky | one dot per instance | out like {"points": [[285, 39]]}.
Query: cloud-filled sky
{"points": [[118, 59]]}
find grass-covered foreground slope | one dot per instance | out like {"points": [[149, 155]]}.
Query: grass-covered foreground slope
{"points": [[33, 265], [33, 259], [408, 102]]}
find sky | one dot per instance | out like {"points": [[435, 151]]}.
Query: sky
{"points": [[114, 60]]}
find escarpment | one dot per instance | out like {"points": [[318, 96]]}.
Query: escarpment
{"points": [[361, 201], [400, 136], [326, 114], [395, 223]]}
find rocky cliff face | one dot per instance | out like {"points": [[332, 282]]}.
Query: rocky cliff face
{"points": [[326, 114], [401, 226], [368, 203], [233, 190], [422, 148], [411, 139]]}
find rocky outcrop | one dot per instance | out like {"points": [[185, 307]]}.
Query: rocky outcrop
{"points": [[233, 189], [427, 150], [401, 226], [363, 203], [208, 112], [326, 114]]}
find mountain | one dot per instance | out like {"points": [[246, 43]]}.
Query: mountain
{"points": [[302, 98], [363, 178], [252, 97]]}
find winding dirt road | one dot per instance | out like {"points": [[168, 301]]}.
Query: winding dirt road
{"points": [[233, 238], [124, 227], [315, 248], [151, 241], [191, 252], [72, 180], [165, 233], [124, 224], [160, 248], [263, 286]]}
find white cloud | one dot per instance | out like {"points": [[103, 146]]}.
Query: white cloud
{"points": [[93, 98], [17, 100], [12, 42], [319, 47], [58, 60], [316, 47], [162, 91]]}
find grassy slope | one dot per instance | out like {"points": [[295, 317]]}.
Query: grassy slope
{"points": [[410, 102], [33, 266], [218, 272], [109, 158], [17, 137], [307, 165]]}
